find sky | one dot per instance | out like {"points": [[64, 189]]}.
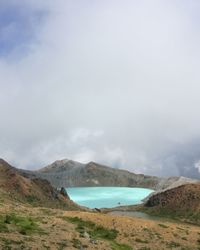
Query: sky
{"points": [[111, 81]]}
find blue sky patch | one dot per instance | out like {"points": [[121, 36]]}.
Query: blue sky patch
{"points": [[18, 27]]}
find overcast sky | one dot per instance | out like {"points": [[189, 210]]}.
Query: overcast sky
{"points": [[112, 81]]}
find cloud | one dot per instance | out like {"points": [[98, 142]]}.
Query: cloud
{"points": [[117, 82], [197, 165]]}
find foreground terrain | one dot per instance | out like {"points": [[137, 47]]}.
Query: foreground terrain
{"points": [[27, 227], [181, 203], [35, 215]]}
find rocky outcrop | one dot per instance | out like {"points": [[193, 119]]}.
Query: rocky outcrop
{"points": [[181, 198], [64, 193]]}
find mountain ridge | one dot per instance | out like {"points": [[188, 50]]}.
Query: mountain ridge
{"points": [[69, 173]]}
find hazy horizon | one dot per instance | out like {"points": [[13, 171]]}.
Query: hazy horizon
{"points": [[115, 82]]}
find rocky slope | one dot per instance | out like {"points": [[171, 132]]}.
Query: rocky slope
{"points": [[35, 191], [182, 202], [69, 173]]}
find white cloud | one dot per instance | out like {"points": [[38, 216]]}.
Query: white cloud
{"points": [[117, 82], [197, 165]]}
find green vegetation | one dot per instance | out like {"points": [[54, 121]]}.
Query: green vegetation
{"points": [[172, 244], [103, 233], [116, 246], [96, 232], [174, 215], [24, 225], [31, 199], [3, 227], [8, 243], [80, 222], [76, 243], [162, 213]]}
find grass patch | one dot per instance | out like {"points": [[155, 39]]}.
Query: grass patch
{"points": [[96, 232], [116, 246], [172, 244], [31, 199], [175, 214], [9, 243], [103, 233], [76, 243], [24, 225], [3, 226], [80, 222]]}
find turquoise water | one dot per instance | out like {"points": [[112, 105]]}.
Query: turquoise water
{"points": [[107, 197]]}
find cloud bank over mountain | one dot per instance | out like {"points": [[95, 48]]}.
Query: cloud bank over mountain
{"points": [[110, 81]]}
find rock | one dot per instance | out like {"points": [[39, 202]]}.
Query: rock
{"points": [[93, 241], [86, 235], [64, 192], [98, 210]]}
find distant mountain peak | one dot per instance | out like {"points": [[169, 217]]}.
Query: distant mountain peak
{"points": [[60, 162], [61, 165]]}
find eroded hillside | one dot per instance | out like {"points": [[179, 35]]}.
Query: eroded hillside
{"points": [[35, 191], [182, 202]]}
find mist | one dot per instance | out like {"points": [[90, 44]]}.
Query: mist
{"points": [[115, 82]]}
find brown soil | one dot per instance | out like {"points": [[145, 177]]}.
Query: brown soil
{"points": [[61, 234], [182, 202]]}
